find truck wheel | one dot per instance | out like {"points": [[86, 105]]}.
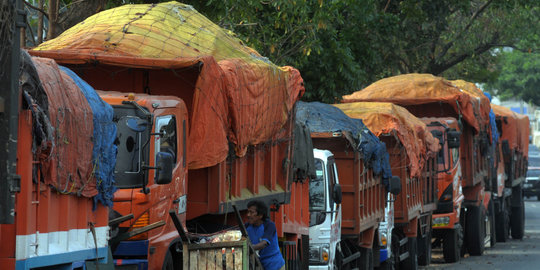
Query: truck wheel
{"points": [[424, 258], [503, 222], [366, 258], [452, 244], [411, 263], [517, 222], [168, 263], [338, 260], [476, 230], [491, 220]]}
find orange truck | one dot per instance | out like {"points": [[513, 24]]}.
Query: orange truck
{"points": [[413, 151], [188, 88], [425, 95], [447, 217], [65, 182], [344, 231], [512, 155]]}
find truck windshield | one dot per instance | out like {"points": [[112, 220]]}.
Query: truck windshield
{"points": [[317, 188], [132, 133]]}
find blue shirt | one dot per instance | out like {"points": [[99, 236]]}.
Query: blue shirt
{"points": [[270, 256]]}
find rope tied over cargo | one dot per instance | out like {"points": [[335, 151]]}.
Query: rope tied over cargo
{"points": [[460, 116], [7, 27]]}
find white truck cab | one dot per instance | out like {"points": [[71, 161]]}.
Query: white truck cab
{"points": [[325, 212], [385, 231]]}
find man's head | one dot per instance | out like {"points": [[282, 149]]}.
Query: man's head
{"points": [[257, 212]]}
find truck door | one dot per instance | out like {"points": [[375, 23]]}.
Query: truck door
{"points": [[334, 201], [172, 140]]}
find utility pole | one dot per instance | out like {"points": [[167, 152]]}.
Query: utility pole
{"points": [[12, 18]]}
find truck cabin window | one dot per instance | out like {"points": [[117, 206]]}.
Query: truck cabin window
{"points": [[132, 134], [167, 141], [317, 188]]}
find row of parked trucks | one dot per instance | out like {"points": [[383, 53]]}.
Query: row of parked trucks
{"points": [[143, 151]]}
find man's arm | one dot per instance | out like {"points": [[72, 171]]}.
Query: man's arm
{"points": [[269, 232], [260, 245]]}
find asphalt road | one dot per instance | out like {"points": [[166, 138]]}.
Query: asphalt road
{"points": [[514, 254]]}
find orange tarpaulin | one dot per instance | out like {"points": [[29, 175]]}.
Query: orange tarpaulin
{"points": [[481, 99], [67, 162], [387, 118], [515, 128], [236, 94], [414, 89]]}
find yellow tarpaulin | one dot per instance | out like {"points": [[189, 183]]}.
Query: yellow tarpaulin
{"points": [[415, 89], [387, 118], [232, 92]]}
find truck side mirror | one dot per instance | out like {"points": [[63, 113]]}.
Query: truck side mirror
{"points": [[336, 194], [164, 163], [453, 138], [395, 185]]}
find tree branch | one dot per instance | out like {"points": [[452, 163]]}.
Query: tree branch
{"points": [[530, 50], [36, 8], [386, 6], [291, 33], [289, 51], [460, 34], [437, 69]]}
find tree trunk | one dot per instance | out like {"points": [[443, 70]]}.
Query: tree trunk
{"points": [[53, 19], [23, 31], [40, 23]]}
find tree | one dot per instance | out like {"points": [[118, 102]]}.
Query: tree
{"points": [[519, 76], [60, 15], [341, 46]]}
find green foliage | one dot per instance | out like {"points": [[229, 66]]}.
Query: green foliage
{"points": [[519, 77], [340, 46]]}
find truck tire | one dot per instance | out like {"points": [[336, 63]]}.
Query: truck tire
{"points": [[502, 219], [424, 248], [453, 244], [517, 222], [366, 258], [411, 263], [491, 220], [476, 230], [168, 263], [339, 258]]}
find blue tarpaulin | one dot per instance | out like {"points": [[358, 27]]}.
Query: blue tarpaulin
{"points": [[320, 117], [104, 152], [494, 132]]}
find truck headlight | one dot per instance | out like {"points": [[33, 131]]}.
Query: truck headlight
{"points": [[441, 221], [383, 239], [319, 254]]}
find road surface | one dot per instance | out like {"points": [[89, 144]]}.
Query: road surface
{"points": [[514, 254]]}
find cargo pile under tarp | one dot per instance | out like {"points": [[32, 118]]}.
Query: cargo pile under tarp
{"points": [[74, 133], [233, 94], [319, 117], [386, 118], [418, 89]]}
